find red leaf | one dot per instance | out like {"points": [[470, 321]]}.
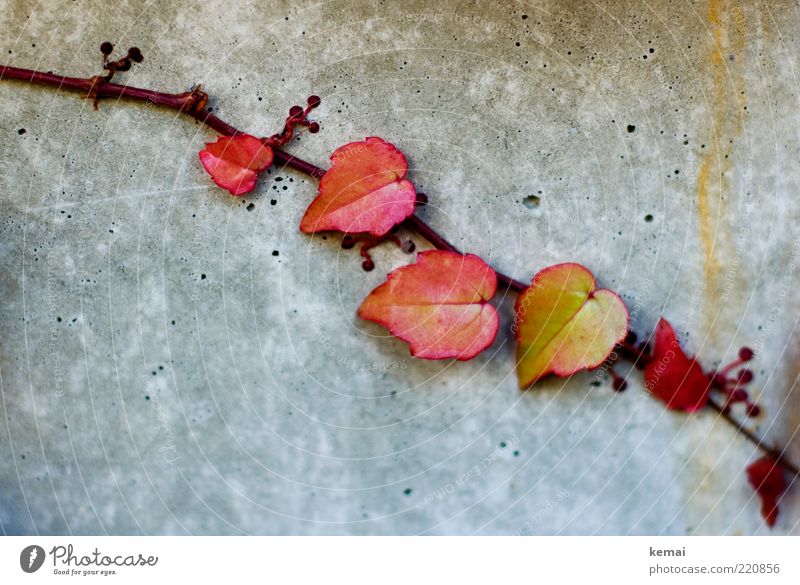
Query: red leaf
{"points": [[766, 477], [672, 376], [438, 305], [235, 161], [364, 191]]}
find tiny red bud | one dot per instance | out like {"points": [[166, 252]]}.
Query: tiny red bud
{"points": [[314, 101], [348, 242], [368, 264], [718, 380], [745, 376], [135, 54], [295, 111], [106, 48], [753, 410], [746, 354], [125, 65], [313, 127], [738, 395]]}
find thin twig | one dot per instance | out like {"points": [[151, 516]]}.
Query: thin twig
{"points": [[777, 454]]}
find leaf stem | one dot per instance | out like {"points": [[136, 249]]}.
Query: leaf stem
{"points": [[192, 103], [427, 232]]}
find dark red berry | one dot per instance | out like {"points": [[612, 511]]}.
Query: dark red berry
{"points": [[619, 384], [106, 48], [746, 354], [745, 376], [368, 264], [295, 111], [738, 395], [125, 65], [718, 381], [753, 410], [135, 54], [314, 101], [348, 242], [313, 127], [422, 199]]}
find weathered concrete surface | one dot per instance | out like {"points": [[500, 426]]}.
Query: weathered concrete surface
{"points": [[175, 360]]}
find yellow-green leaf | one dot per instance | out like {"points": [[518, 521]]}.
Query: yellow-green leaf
{"points": [[565, 324]]}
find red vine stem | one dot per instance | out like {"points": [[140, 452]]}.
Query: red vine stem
{"points": [[186, 103], [777, 454], [192, 103]]}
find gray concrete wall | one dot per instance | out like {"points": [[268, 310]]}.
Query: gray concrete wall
{"points": [[164, 371]]}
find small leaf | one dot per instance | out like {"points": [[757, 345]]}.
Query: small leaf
{"points": [[438, 305], [565, 324], [234, 162], [364, 191], [766, 477], [673, 377]]}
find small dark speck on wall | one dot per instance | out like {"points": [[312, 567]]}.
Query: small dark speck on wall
{"points": [[648, 218], [21, 131], [275, 253], [407, 491], [251, 207], [631, 128]]}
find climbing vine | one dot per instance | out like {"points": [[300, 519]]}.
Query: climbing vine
{"points": [[440, 304]]}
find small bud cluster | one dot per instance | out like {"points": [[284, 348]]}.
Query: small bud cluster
{"points": [[368, 242], [298, 116], [732, 386], [123, 63]]}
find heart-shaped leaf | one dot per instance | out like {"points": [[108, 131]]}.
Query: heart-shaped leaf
{"points": [[364, 191], [673, 377], [234, 162], [565, 324], [438, 305]]}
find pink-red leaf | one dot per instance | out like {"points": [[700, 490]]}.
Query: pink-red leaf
{"points": [[364, 191], [564, 323], [672, 376], [234, 162], [438, 305], [766, 477]]}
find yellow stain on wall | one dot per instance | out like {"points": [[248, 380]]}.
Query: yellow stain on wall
{"points": [[726, 100], [727, 43]]}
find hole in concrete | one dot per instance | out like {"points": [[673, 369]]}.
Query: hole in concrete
{"points": [[648, 218], [532, 201]]}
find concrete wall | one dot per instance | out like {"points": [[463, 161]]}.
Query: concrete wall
{"points": [[176, 360]]}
